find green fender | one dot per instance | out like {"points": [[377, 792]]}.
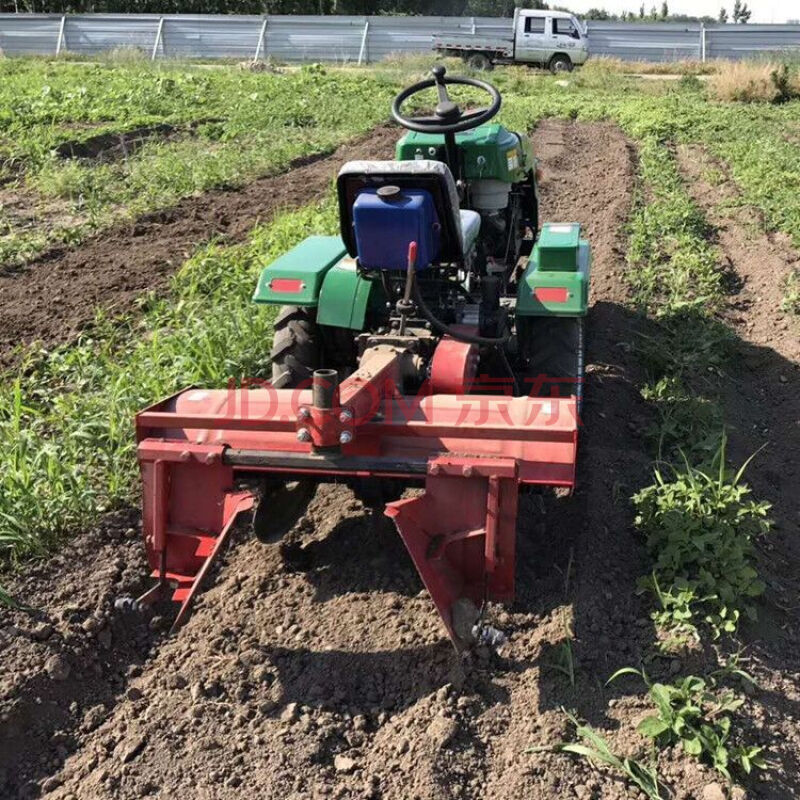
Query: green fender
{"points": [[346, 296], [296, 277], [555, 282]]}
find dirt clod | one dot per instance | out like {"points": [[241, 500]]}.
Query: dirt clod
{"points": [[57, 668], [713, 791]]}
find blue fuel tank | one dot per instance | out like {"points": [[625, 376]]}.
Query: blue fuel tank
{"points": [[386, 220]]}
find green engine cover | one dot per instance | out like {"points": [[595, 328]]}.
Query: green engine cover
{"points": [[295, 279], [556, 280], [489, 151]]}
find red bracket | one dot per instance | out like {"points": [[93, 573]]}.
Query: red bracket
{"points": [[189, 511], [461, 535]]}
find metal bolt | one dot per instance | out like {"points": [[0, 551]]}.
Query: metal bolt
{"points": [[345, 437], [303, 413], [303, 435], [346, 415]]}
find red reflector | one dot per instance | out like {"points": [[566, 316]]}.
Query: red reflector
{"points": [[287, 285], [550, 294]]}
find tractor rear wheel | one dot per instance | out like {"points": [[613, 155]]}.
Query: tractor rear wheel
{"points": [[553, 347], [295, 355], [295, 347]]}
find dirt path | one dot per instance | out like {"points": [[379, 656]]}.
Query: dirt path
{"points": [[319, 668], [55, 296]]}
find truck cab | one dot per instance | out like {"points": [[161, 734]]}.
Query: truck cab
{"points": [[551, 38]]}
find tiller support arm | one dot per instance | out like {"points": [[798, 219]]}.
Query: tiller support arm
{"points": [[187, 516], [461, 535]]}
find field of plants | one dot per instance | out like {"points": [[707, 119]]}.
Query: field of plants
{"points": [[654, 645]]}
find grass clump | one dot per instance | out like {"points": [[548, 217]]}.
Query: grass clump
{"points": [[791, 298], [695, 713], [685, 421], [597, 750], [675, 267], [700, 528], [755, 82]]}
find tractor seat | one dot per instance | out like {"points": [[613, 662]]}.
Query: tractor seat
{"points": [[423, 181]]}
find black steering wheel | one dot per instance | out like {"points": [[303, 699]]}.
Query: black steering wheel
{"points": [[448, 117]]}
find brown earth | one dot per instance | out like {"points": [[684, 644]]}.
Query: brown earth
{"points": [[55, 296], [319, 668]]}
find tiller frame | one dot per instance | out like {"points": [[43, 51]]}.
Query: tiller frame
{"points": [[472, 452]]}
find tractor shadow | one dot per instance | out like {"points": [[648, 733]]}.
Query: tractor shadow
{"points": [[360, 554], [370, 682]]}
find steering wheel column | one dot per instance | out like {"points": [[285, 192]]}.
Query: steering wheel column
{"points": [[448, 119]]}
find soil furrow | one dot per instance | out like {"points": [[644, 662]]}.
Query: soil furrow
{"points": [[55, 296], [758, 392]]}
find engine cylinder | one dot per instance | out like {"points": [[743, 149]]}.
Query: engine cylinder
{"points": [[490, 195]]}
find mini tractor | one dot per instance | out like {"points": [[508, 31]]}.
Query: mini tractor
{"points": [[436, 342]]}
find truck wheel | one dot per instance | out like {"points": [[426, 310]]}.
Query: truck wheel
{"points": [[295, 347], [479, 62], [560, 63]]}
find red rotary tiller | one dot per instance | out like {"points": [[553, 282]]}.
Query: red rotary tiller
{"points": [[392, 341]]}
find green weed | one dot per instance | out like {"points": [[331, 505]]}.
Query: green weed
{"points": [[700, 528], [67, 450], [597, 750], [791, 298], [696, 714]]}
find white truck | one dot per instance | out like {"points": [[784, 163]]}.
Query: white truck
{"points": [[552, 39]]}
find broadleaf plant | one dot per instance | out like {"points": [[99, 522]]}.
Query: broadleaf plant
{"points": [[700, 527], [695, 713]]}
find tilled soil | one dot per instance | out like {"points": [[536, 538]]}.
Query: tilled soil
{"points": [[55, 296], [318, 668]]}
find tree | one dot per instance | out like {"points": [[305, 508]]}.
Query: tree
{"points": [[664, 10], [741, 13], [723, 16], [641, 11], [597, 14]]}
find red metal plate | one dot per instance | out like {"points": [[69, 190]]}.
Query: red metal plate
{"points": [[550, 294], [286, 285]]}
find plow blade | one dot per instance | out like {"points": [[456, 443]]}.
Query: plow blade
{"points": [[461, 535], [189, 511]]}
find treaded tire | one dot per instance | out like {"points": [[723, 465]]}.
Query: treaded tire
{"points": [[555, 348], [295, 347], [560, 64], [479, 62], [295, 355]]}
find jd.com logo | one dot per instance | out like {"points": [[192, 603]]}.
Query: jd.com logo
{"points": [[491, 401]]}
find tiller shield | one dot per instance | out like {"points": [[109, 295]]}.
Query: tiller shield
{"points": [[200, 450]]}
